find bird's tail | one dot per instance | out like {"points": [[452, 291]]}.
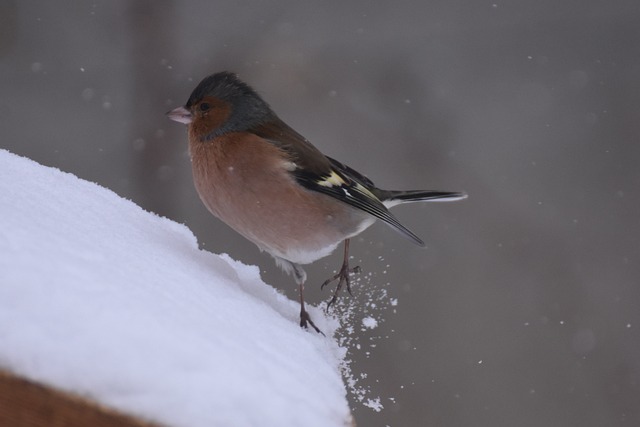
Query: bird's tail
{"points": [[392, 198]]}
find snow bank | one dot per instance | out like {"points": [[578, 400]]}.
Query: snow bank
{"points": [[101, 298]]}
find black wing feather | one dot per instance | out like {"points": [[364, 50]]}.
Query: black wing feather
{"points": [[357, 192]]}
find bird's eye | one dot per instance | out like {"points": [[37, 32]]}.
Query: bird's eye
{"points": [[204, 106]]}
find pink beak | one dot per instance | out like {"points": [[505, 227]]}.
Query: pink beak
{"points": [[181, 115]]}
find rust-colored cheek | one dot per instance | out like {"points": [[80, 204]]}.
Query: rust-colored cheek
{"points": [[206, 123]]}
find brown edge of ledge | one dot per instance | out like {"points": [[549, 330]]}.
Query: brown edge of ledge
{"points": [[25, 403]]}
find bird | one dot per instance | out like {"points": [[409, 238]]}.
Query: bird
{"points": [[271, 185]]}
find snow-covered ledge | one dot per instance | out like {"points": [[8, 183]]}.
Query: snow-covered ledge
{"points": [[107, 301]]}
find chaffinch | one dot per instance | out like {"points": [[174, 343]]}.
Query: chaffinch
{"points": [[271, 185]]}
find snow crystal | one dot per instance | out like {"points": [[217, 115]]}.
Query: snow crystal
{"points": [[369, 322]]}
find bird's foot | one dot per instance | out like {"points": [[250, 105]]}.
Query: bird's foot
{"points": [[342, 277], [305, 321]]}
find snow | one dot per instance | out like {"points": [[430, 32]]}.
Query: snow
{"points": [[369, 322], [374, 404], [101, 298]]}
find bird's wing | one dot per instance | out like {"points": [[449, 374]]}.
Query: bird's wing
{"points": [[301, 152], [320, 173]]}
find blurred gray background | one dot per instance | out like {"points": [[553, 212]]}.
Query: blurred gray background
{"points": [[523, 310]]}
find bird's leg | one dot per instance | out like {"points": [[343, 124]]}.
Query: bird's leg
{"points": [[342, 276], [301, 276], [305, 319]]}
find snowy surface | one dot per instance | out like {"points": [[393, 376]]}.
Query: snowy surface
{"points": [[101, 298]]}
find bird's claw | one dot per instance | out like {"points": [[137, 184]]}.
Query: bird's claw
{"points": [[305, 321], [343, 279]]}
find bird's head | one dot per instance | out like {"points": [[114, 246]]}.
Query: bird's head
{"points": [[222, 103]]}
